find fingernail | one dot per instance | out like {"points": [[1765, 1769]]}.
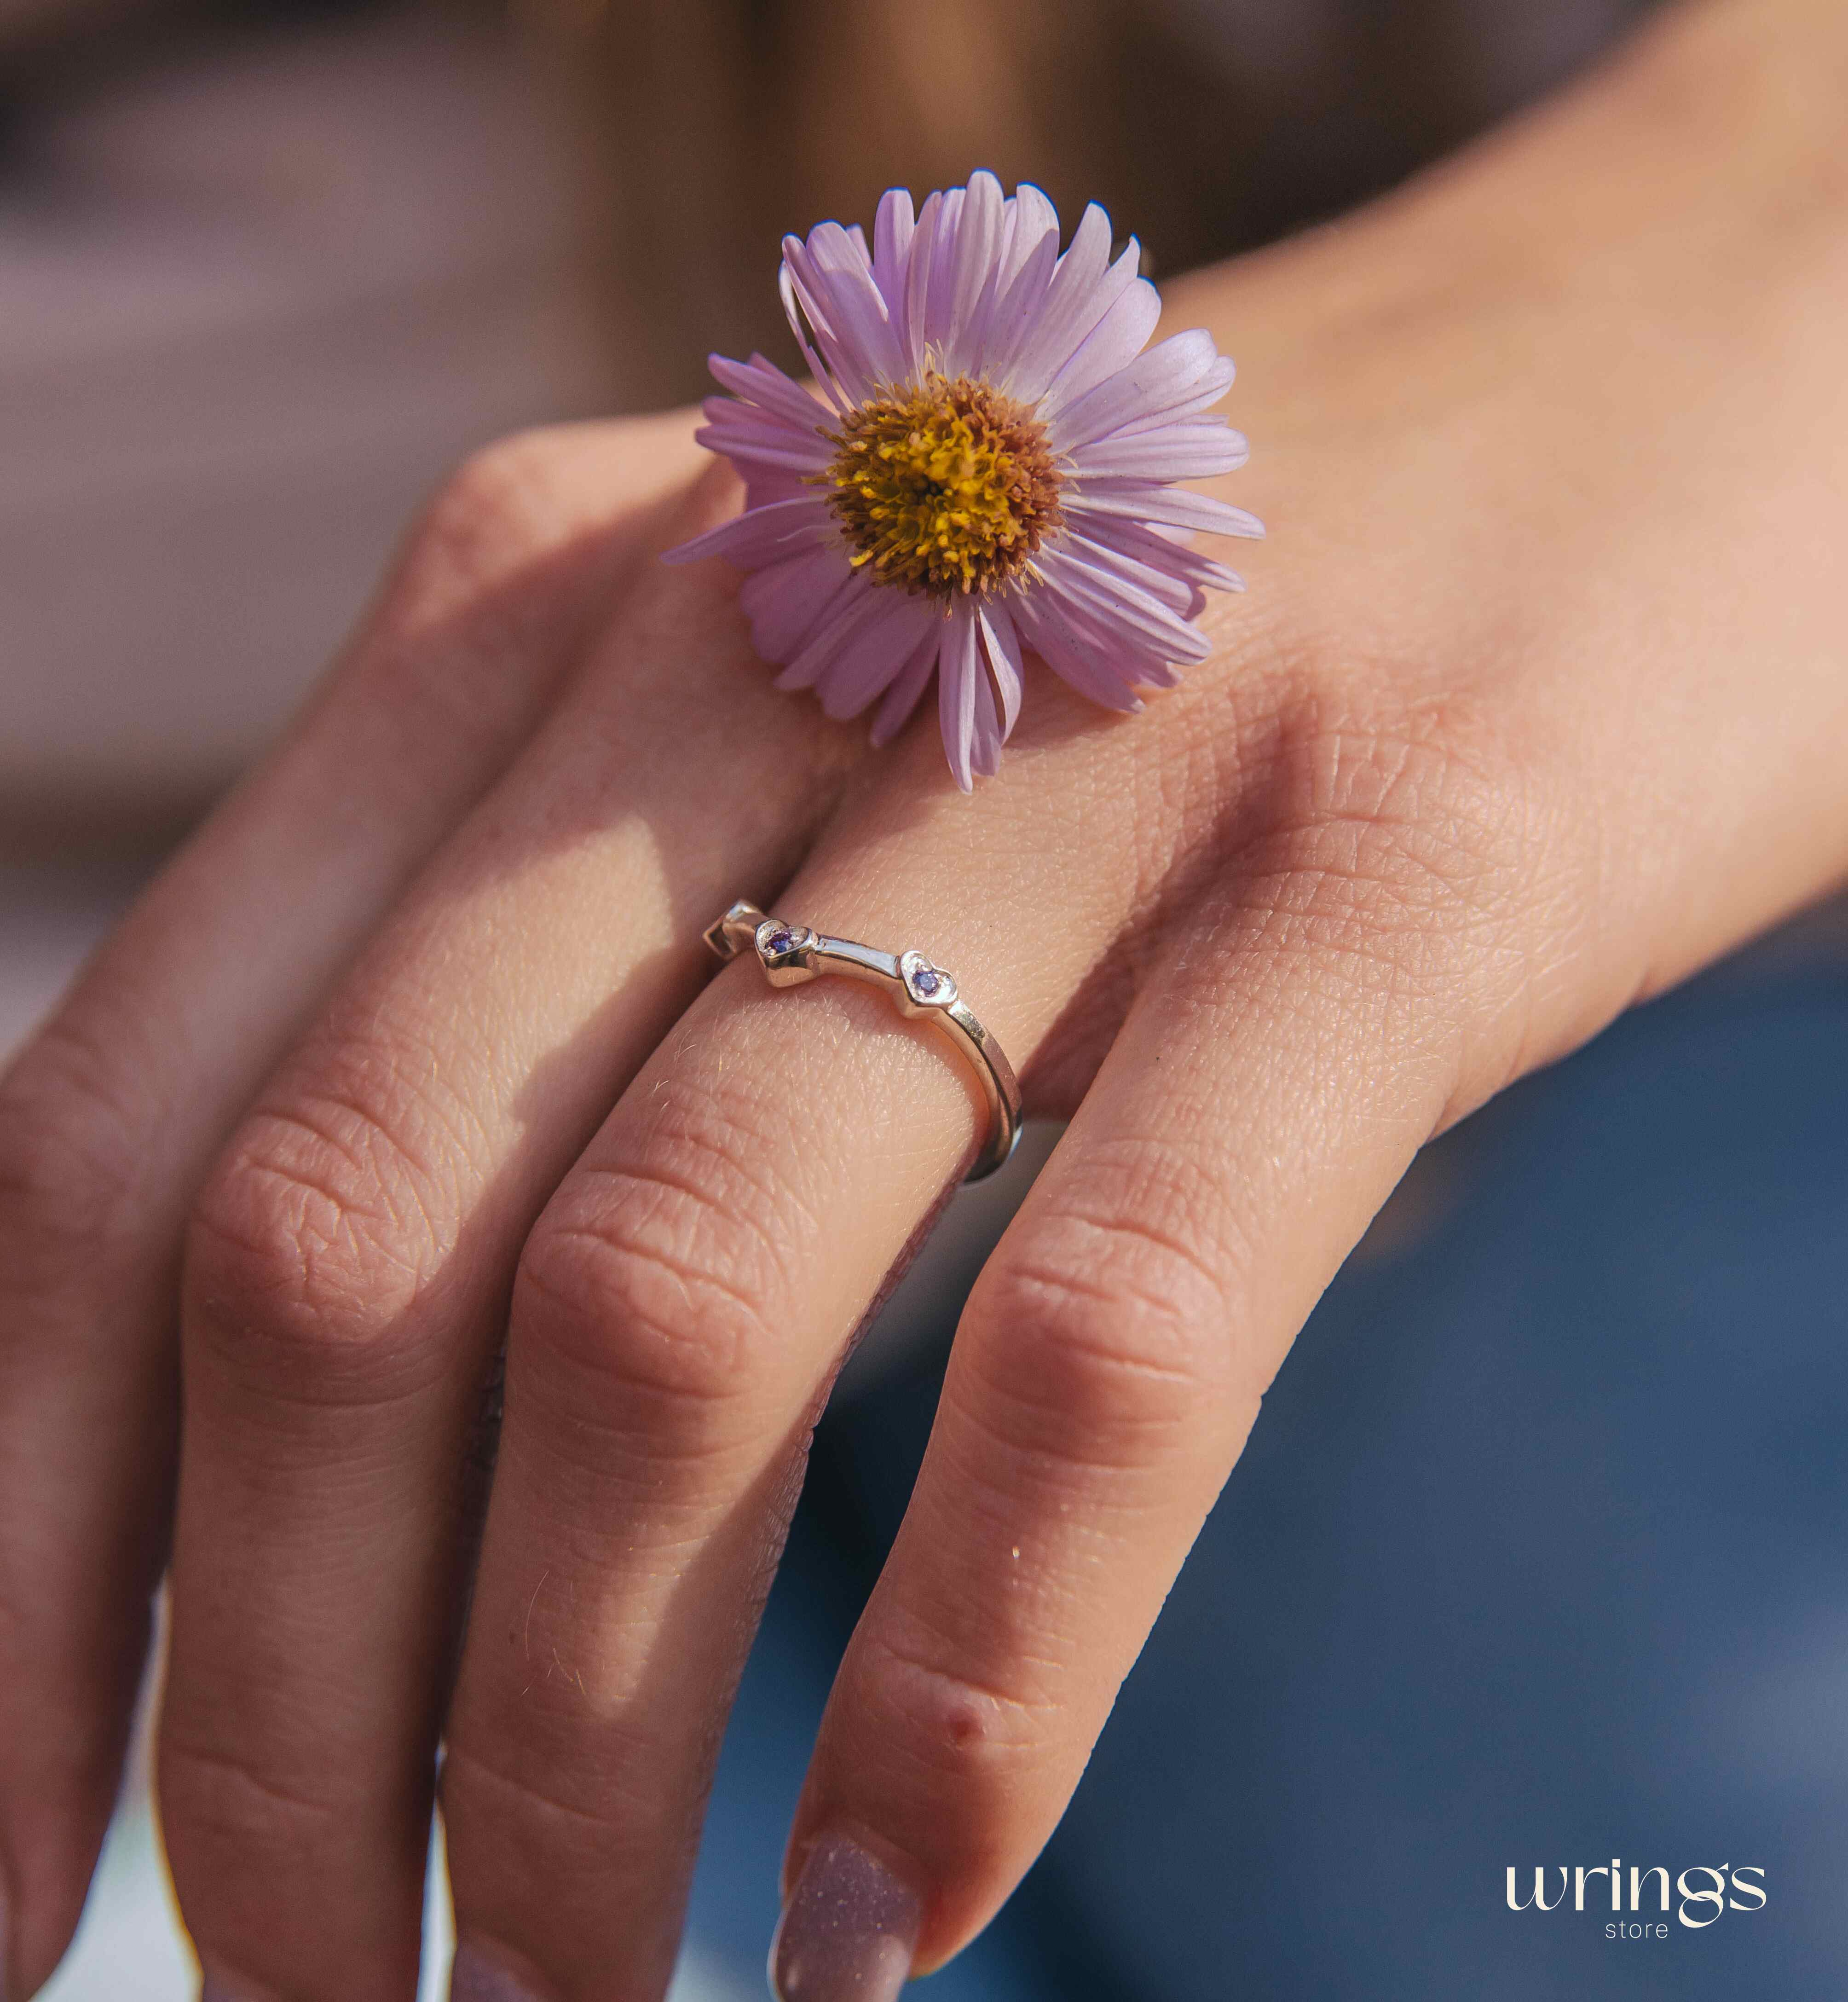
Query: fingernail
{"points": [[474, 1978], [849, 1931]]}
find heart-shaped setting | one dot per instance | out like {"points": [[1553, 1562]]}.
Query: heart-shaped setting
{"points": [[928, 985], [778, 943]]}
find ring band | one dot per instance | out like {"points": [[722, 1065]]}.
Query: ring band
{"points": [[790, 954]]}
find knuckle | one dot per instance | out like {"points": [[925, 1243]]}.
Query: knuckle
{"points": [[1427, 867], [70, 1154], [641, 1302], [479, 578], [1105, 1341], [1404, 835], [941, 1719], [491, 510], [651, 1285], [213, 1796], [241, 1816], [228, 1818], [1414, 855], [521, 1827], [310, 1241], [587, 1806]]}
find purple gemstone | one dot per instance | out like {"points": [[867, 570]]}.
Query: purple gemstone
{"points": [[926, 981], [780, 941]]}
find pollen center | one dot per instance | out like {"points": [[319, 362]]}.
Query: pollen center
{"points": [[943, 486]]}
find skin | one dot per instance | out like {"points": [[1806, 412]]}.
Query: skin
{"points": [[1536, 704]]}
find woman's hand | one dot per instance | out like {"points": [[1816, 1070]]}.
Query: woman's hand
{"points": [[1537, 702]]}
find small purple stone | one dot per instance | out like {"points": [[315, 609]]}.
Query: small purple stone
{"points": [[926, 981], [780, 941]]}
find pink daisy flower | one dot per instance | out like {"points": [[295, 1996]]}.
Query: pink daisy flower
{"points": [[993, 472]]}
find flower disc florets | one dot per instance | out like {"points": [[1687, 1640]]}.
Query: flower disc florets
{"points": [[943, 486]]}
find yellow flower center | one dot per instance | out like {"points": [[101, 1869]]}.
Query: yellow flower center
{"points": [[943, 486]]}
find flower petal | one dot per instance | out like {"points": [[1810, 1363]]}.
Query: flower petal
{"points": [[1166, 586], [1085, 286], [875, 652], [847, 612], [1212, 387], [1185, 372], [893, 229], [1115, 342], [785, 601], [760, 535], [792, 312], [1001, 643], [1128, 657], [941, 278], [834, 269], [1144, 500], [909, 683], [1044, 626], [985, 734], [833, 285], [743, 434], [1133, 655], [917, 284], [766, 485], [1196, 450], [1121, 607], [1150, 549], [1025, 232], [959, 671], [1034, 220], [1014, 314], [972, 269], [763, 383]]}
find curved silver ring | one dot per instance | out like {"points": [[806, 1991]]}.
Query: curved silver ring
{"points": [[790, 953]]}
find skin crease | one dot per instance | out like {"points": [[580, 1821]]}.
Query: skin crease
{"points": [[1536, 704]]}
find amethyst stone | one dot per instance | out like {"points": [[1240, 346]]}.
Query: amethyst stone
{"points": [[780, 941], [926, 981]]}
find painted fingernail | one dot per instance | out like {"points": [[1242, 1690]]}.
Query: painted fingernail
{"points": [[849, 1931], [474, 1978]]}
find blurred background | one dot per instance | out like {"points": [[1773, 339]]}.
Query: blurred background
{"points": [[267, 270]]}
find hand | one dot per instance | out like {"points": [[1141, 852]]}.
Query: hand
{"points": [[1537, 702]]}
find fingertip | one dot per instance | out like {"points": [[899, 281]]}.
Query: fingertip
{"points": [[474, 1978], [849, 1931]]}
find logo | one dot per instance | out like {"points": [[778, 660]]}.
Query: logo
{"points": [[1700, 1896]]}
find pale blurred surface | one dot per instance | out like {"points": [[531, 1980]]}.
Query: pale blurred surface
{"points": [[252, 304]]}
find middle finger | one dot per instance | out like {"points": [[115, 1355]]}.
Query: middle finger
{"points": [[679, 1311]]}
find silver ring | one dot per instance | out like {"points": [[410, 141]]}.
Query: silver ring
{"points": [[790, 954]]}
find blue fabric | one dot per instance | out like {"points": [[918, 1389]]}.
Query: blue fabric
{"points": [[1538, 1556]]}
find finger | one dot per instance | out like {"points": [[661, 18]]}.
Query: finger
{"points": [[1253, 1114], [108, 1117], [679, 1309], [350, 1260]]}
